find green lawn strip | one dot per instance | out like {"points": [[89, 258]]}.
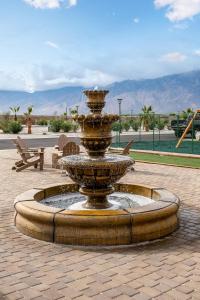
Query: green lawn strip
{"points": [[170, 160]]}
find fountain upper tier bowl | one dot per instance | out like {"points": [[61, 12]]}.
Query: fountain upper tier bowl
{"points": [[96, 134]]}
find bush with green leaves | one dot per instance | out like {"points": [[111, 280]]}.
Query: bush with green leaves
{"points": [[10, 126], [14, 127], [116, 126], [135, 124], [152, 123], [4, 126], [66, 126], [126, 126], [56, 125], [160, 124]]}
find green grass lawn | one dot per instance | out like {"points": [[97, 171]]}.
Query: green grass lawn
{"points": [[169, 160]]}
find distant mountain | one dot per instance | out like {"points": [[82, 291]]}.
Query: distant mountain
{"points": [[166, 94]]}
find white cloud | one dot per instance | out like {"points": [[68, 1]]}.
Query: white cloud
{"points": [[50, 4], [178, 10], [85, 78], [44, 3], [42, 77], [197, 52], [136, 20], [72, 2], [173, 57], [52, 44]]}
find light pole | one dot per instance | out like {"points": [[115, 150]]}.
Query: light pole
{"points": [[66, 111], [120, 112], [77, 106]]}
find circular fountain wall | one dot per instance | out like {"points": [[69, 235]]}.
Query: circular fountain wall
{"points": [[144, 213]]}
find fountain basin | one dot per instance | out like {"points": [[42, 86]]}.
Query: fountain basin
{"points": [[124, 226]]}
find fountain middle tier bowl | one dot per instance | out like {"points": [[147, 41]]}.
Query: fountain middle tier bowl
{"points": [[96, 172]]}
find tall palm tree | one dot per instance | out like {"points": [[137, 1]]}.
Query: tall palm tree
{"points": [[15, 110], [186, 113], [29, 118], [146, 116]]}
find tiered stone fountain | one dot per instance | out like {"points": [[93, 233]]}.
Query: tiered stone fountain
{"points": [[97, 172], [95, 215]]}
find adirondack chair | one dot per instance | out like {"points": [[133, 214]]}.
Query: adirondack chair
{"points": [[71, 148], [29, 157], [62, 141], [125, 151]]}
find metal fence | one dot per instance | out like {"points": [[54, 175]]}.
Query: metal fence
{"points": [[160, 133]]}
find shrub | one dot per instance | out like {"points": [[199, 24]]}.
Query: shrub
{"points": [[135, 125], [152, 124], [161, 124], [42, 122], [66, 126], [126, 126], [14, 127], [4, 125], [10, 126], [116, 126], [56, 125]]}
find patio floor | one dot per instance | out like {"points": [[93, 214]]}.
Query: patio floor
{"points": [[165, 269]]}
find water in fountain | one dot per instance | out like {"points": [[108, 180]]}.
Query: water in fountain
{"points": [[73, 201]]}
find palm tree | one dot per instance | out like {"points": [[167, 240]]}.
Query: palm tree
{"points": [[146, 117], [29, 118], [15, 110], [186, 113]]}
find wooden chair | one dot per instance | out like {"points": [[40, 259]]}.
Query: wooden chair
{"points": [[62, 141], [29, 157], [125, 151], [71, 148]]}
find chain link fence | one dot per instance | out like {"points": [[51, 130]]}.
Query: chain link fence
{"points": [[157, 132]]}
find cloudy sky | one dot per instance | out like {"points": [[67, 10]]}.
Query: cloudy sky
{"points": [[52, 43]]}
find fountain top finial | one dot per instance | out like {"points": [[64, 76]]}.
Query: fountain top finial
{"points": [[96, 99]]}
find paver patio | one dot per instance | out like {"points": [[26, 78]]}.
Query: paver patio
{"points": [[165, 269]]}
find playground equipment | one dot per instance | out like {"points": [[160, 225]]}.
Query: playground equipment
{"points": [[187, 128]]}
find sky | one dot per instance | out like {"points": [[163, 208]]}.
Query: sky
{"points": [[47, 44]]}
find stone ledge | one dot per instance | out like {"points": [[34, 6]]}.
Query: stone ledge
{"points": [[97, 227]]}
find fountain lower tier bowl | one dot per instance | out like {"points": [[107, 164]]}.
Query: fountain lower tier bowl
{"points": [[96, 173], [144, 213]]}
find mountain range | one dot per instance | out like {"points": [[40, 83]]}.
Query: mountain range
{"points": [[166, 94]]}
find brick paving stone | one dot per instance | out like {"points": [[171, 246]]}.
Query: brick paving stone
{"points": [[163, 270], [178, 295], [123, 297], [141, 296], [127, 290]]}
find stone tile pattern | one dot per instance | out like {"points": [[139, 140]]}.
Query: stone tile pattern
{"points": [[161, 270]]}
